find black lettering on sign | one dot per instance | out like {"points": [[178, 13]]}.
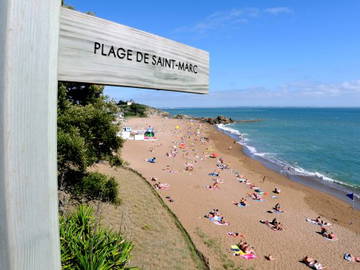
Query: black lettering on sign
{"points": [[143, 57], [102, 50], [120, 53], [181, 66], [112, 51], [146, 58], [139, 56], [129, 54], [96, 46], [153, 60]]}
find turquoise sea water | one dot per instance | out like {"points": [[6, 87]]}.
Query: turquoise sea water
{"points": [[323, 144]]}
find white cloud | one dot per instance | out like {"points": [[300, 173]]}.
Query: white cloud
{"points": [[222, 19], [303, 93], [278, 10]]}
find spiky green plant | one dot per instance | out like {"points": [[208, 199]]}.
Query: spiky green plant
{"points": [[85, 246]]}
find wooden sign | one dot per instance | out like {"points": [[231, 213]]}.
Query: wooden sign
{"points": [[42, 43], [98, 51]]}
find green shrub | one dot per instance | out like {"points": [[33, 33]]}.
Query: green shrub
{"points": [[98, 186], [84, 246]]}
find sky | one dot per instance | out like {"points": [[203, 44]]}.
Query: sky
{"points": [[262, 52]]}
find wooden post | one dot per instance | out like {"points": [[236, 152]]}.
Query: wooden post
{"points": [[29, 236]]}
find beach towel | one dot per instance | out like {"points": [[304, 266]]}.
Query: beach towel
{"points": [[238, 252], [335, 239], [164, 186], [221, 224], [317, 223], [248, 256], [276, 211]]}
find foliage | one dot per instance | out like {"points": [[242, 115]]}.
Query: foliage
{"points": [[100, 187], [86, 134], [88, 247], [135, 109]]}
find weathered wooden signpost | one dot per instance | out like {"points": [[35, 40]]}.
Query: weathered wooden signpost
{"points": [[42, 43]]}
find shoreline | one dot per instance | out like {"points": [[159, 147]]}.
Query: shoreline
{"points": [[192, 200], [334, 188]]}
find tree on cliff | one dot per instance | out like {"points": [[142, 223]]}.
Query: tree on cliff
{"points": [[86, 133]]}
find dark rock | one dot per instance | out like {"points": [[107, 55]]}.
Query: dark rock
{"points": [[218, 120]]}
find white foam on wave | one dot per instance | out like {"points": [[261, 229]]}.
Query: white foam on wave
{"points": [[229, 129], [282, 166]]}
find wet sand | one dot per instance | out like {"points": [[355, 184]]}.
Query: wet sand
{"points": [[192, 200]]}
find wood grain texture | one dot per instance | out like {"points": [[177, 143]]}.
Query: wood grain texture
{"points": [[29, 235], [78, 62]]}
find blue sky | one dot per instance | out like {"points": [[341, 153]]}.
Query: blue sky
{"points": [[262, 52]]}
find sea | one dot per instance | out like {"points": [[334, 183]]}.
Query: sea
{"points": [[319, 147]]}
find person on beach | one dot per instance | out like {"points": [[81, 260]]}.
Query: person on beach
{"points": [[214, 185], [330, 236], [242, 179], [276, 190], [235, 234], [312, 263], [152, 160], [351, 258], [270, 258], [245, 247], [242, 202], [277, 209], [255, 196], [274, 222]]}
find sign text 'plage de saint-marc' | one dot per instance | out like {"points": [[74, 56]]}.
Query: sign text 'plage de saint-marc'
{"points": [[94, 50], [143, 57]]}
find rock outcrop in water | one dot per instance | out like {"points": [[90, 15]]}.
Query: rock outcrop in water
{"points": [[220, 119], [217, 120]]}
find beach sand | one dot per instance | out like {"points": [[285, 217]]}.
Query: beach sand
{"points": [[192, 200]]}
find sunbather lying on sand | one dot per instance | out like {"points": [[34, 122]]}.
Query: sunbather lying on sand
{"points": [[152, 160], [276, 209], [214, 185], [329, 235], [235, 234], [214, 174], [318, 221], [274, 224], [321, 221], [161, 186], [215, 217], [351, 258], [312, 263], [242, 202], [169, 199], [245, 247], [255, 196], [242, 179]]}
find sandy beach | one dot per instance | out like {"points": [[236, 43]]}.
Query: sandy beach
{"points": [[188, 143]]}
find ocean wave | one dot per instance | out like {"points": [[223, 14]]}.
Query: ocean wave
{"points": [[281, 166]]}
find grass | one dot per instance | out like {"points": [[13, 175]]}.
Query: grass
{"points": [[160, 241], [215, 246]]}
